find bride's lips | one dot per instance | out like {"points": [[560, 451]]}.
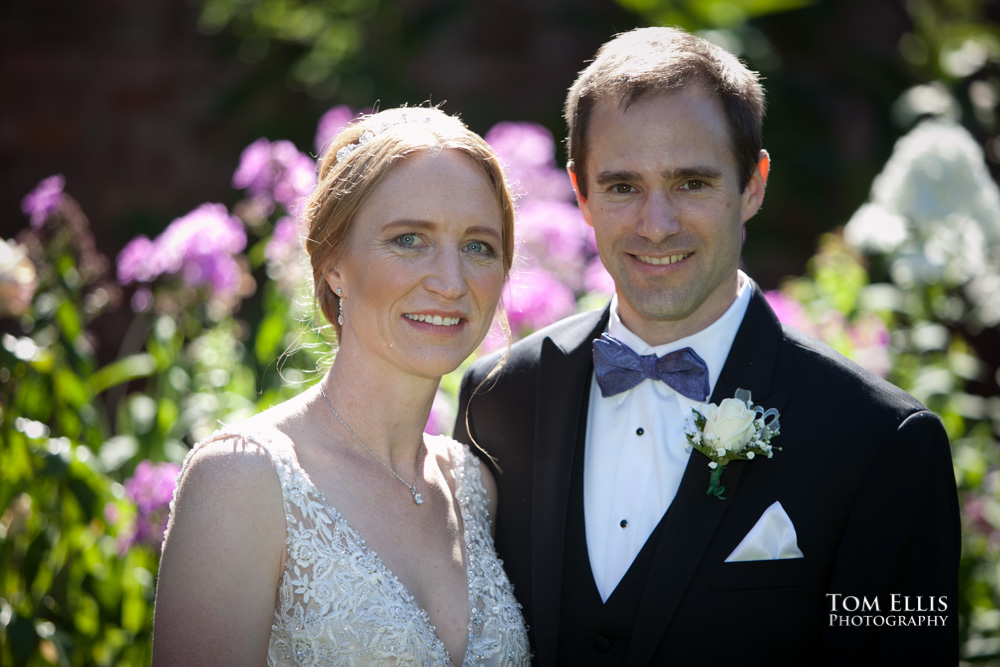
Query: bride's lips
{"points": [[436, 321]]}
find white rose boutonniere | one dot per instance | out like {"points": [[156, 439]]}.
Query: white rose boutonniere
{"points": [[734, 430]]}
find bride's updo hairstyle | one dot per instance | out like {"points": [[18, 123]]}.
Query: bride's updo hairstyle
{"points": [[360, 157]]}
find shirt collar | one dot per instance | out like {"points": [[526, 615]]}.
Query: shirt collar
{"points": [[711, 343]]}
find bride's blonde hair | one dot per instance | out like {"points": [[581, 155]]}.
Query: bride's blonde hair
{"points": [[360, 157]]}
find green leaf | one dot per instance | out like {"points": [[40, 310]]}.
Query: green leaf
{"points": [[69, 319], [121, 371], [269, 338], [71, 388]]}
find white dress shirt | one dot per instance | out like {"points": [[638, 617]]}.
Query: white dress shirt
{"points": [[635, 447]]}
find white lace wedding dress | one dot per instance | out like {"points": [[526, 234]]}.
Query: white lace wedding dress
{"points": [[338, 604]]}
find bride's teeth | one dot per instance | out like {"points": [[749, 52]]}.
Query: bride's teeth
{"points": [[436, 320], [659, 261]]}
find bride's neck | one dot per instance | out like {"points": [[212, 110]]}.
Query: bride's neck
{"points": [[388, 411]]}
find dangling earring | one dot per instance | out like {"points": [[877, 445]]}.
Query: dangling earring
{"points": [[340, 313]]}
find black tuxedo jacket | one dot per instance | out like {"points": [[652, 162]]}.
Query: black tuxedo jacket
{"points": [[864, 473]]}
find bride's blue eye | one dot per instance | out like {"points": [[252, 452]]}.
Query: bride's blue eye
{"points": [[479, 248], [407, 240]]}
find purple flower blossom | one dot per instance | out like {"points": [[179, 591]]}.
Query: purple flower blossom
{"points": [[522, 145], [284, 244], [528, 153], [44, 200], [536, 299], [330, 125], [142, 300], [276, 171], [553, 235], [441, 418], [135, 261], [596, 278], [200, 246], [787, 310], [151, 488]]}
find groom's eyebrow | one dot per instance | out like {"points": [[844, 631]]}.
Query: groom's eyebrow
{"points": [[619, 176], [613, 176], [698, 171]]}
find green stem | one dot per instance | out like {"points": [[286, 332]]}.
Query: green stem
{"points": [[715, 487]]}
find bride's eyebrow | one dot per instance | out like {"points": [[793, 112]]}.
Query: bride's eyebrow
{"points": [[408, 224]]}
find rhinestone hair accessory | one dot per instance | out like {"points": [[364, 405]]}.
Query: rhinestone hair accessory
{"points": [[344, 151], [378, 125]]}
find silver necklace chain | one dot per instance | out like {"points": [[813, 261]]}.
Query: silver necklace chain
{"points": [[418, 498]]}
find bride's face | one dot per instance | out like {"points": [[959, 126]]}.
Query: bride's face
{"points": [[422, 268]]}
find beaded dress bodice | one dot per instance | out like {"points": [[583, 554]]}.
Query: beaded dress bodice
{"points": [[338, 604]]}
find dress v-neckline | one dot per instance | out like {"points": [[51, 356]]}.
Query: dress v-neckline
{"points": [[354, 534]]}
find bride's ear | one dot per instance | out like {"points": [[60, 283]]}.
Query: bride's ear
{"points": [[333, 279]]}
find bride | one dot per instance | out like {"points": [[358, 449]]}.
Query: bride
{"points": [[329, 529]]}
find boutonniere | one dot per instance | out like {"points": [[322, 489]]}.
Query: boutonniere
{"points": [[734, 430]]}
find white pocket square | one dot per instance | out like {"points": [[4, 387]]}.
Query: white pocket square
{"points": [[771, 538]]}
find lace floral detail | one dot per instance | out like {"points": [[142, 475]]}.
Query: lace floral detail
{"points": [[338, 604]]}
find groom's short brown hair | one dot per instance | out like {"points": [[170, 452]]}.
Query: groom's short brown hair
{"points": [[654, 61]]}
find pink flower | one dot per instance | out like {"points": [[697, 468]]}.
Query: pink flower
{"points": [[330, 125], [276, 171], [788, 311], [528, 152], [536, 299], [201, 246], [135, 261], [553, 235], [596, 278], [44, 200], [151, 488], [442, 417], [284, 245], [522, 145]]}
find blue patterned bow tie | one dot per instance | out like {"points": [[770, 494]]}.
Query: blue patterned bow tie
{"points": [[618, 368]]}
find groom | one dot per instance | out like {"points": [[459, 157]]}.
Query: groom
{"points": [[841, 549]]}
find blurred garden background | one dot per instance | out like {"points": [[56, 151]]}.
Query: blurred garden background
{"points": [[152, 155]]}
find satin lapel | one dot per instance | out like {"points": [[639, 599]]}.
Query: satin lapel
{"points": [[694, 516], [563, 373]]}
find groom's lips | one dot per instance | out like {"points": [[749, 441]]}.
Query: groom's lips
{"points": [[665, 260], [659, 263]]}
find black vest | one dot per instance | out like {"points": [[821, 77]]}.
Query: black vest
{"points": [[592, 632]]}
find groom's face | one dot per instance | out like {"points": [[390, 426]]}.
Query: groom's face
{"points": [[667, 208]]}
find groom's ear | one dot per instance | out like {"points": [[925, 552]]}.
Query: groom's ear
{"points": [[753, 194], [581, 200]]}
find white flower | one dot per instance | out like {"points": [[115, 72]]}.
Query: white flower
{"points": [[730, 424], [731, 431], [18, 280], [874, 228], [935, 170]]}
